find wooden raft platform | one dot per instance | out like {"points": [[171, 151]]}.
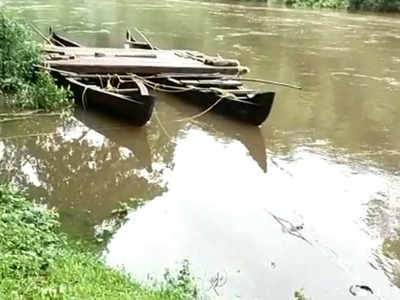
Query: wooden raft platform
{"points": [[138, 61]]}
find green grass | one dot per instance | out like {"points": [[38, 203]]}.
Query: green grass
{"points": [[23, 84], [38, 262]]}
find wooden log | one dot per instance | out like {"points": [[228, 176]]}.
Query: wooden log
{"points": [[219, 83]]}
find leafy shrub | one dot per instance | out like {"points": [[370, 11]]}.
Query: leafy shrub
{"points": [[28, 236], [375, 5], [43, 94], [182, 282], [25, 86]]}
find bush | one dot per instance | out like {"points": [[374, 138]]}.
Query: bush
{"points": [[20, 80], [38, 262], [374, 5]]}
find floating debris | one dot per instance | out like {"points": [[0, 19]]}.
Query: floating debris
{"points": [[360, 290]]}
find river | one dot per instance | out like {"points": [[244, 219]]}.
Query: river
{"points": [[310, 200]]}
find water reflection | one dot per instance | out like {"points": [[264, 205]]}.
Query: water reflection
{"points": [[199, 221], [86, 165], [75, 167], [223, 129], [134, 139]]}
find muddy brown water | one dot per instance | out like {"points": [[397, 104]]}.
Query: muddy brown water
{"points": [[309, 200]]}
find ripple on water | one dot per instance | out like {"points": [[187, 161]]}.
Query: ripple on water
{"points": [[103, 30], [240, 34], [340, 49], [39, 7], [388, 80], [111, 23], [242, 48], [396, 60]]}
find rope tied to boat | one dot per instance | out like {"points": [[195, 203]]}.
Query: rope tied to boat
{"points": [[175, 89], [216, 61], [160, 124], [161, 87], [100, 80], [202, 113], [84, 99], [224, 95]]}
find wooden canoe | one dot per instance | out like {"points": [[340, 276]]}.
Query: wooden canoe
{"points": [[62, 41], [233, 99], [134, 103], [211, 84]]}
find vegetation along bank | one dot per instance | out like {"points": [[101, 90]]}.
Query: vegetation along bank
{"points": [[22, 83], [372, 5], [38, 262]]}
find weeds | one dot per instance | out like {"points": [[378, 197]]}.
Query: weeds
{"points": [[38, 262], [182, 282], [299, 295], [371, 5], [23, 85]]}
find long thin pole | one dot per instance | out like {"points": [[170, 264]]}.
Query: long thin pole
{"points": [[144, 37], [272, 82], [39, 33]]}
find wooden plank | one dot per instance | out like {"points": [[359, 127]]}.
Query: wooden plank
{"points": [[188, 75], [87, 51], [120, 65], [163, 57], [157, 76]]}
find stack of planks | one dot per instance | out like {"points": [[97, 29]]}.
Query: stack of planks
{"points": [[122, 61]]}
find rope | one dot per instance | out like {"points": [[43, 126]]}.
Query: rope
{"points": [[203, 112], [144, 37], [84, 100], [39, 33], [164, 88], [160, 124], [271, 82], [100, 80]]}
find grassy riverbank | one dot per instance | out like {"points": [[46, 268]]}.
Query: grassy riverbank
{"points": [[372, 5], [38, 262], [21, 82]]}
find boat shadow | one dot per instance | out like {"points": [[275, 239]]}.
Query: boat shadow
{"points": [[121, 132], [222, 127]]}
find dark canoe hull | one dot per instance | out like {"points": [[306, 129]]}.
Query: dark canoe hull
{"points": [[135, 108], [254, 110], [224, 94], [59, 40]]}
